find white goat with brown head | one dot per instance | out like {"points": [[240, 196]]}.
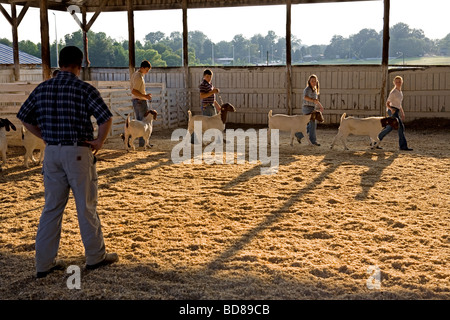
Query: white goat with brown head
{"points": [[134, 129], [211, 122], [293, 124]]}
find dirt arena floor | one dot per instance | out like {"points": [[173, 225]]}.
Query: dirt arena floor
{"points": [[328, 225]]}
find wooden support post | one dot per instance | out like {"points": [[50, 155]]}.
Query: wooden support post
{"points": [[86, 62], [15, 37], [186, 53], [131, 40], [288, 58], [45, 40], [385, 58], [14, 21]]}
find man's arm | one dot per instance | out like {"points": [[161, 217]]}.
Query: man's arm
{"points": [[204, 95], [33, 129], [103, 131], [140, 95]]}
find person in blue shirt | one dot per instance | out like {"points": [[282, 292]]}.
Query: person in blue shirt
{"points": [[59, 111]]}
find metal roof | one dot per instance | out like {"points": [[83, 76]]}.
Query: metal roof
{"points": [[121, 5], [6, 56]]}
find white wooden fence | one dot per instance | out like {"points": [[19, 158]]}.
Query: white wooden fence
{"points": [[354, 89], [170, 105]]}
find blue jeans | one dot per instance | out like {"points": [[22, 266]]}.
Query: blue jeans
{"points": [[401, 130], [140, 108], [209, 110], [311, 127]]}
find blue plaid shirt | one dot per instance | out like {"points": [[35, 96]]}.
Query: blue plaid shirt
{"points": [[62, 108]]}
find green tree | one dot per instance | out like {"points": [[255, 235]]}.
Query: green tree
{"points": [[154, 37], [172, 59], [338, 48], [151, 55], [30, 48], [358, 44], [444, 45], [6, 42]]}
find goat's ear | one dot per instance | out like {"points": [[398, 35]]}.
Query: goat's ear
{"points": [[154, 113], [12, 125], [384, 122], [394, 123], [319, 116]]}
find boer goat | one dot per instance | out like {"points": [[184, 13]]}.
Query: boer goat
{"points": [[211, 122], [5, 125], [31, 142], [293, 124], [134, 129], [370, 126]]}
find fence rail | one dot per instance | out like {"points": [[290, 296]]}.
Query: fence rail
{"points": [[353, 89], [171, 105]]}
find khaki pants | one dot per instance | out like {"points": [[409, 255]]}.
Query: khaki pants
{"points": [[68, 168]]}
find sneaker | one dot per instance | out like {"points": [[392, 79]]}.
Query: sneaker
{"points": [[378, 147], [407, 149], [109, 259], [59, 265], [316, 144]]}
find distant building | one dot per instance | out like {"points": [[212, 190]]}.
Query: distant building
{"points": [[7, 57]]}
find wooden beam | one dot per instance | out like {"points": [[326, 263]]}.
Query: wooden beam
{"points": [[186, 52], [288, 58], [45, 40], [385, 57], [6, 14], [131, 40], [22, 12], [96, 14]]}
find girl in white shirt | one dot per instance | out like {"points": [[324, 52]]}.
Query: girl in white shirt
{"points": [[394, 109]]}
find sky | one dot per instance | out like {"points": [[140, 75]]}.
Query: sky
{"points": [[311, 23]]}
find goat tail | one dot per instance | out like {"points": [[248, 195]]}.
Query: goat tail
{"points": [[189, 114], [127, 122], [23, 132], [270, 113], [343, 116]]}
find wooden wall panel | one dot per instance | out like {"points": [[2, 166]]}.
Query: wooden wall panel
{"points": [[353, 89]]}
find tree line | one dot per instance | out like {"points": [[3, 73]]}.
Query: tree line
{"points": [[166, 50]]}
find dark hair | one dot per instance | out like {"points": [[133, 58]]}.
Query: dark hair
{"points": [[317, 84], [69, 56], [145, 64], [207, 72]]}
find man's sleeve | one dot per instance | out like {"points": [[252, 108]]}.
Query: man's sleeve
{"points": [[98, 107], [26, 112]]}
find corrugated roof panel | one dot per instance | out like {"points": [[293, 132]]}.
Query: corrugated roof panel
{"points": [[7, 57]]}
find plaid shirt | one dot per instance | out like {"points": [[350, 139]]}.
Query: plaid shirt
{"points": [[62, 108]]}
